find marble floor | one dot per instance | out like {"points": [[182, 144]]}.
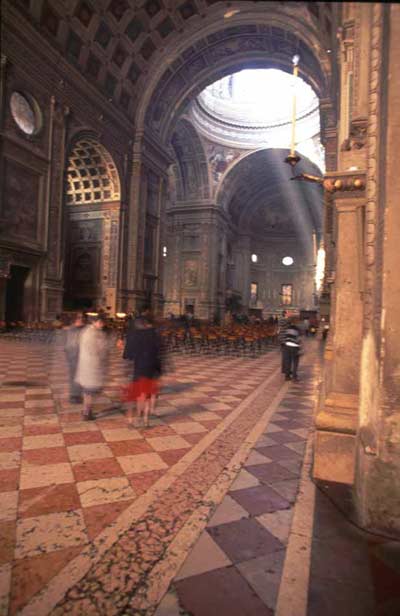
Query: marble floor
{"points": [[210, 510]]}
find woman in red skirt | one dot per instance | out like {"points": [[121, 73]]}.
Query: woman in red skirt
{"points": [[143, 346]]}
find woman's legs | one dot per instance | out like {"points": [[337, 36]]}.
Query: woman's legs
{"points": [[149, 408], [87, 404], [140, 405], [129, 412]]}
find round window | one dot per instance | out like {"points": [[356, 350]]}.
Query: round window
{"points": [[287, 261], [25, 112]]}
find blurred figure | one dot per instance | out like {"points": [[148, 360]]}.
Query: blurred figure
{"points": [[282, 325], [57, 323], [143, 346], [291, 351], [92, 363], [325, 329], [71, 348]]}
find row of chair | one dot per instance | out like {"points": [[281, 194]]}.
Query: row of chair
{"points": [[239, 341]]}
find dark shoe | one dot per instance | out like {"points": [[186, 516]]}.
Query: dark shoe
{"points": [[76, 400], [287, 378], [88, 416]]}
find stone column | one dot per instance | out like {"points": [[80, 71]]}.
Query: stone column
{"points": [[377, 483], [132, 239], [337, 419], [159, 243], [244, 248], [52, 280], [171, 268]]}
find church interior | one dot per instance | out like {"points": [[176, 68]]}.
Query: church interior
{"points": [[231, 161]]}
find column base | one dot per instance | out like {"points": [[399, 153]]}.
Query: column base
{"points": [[335, 441]]}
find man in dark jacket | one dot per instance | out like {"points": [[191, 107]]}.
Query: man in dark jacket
{"points": [[143, 346], [291, 349]]}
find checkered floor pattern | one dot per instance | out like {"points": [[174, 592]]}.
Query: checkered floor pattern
{"points": [[235, 566], [63, 480]]}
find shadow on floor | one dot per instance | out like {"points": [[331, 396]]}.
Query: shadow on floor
{"points": [[352, 572]]}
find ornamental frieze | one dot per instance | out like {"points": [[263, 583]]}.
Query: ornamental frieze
{"points": [[357, 138]]}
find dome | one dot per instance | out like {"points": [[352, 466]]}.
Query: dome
{"points": [[258, 98], [253, 109]]}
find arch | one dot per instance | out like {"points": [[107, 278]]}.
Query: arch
{"points": [[91, 225], [261, 40], [191, 169], [258, 194], [91, 176]]}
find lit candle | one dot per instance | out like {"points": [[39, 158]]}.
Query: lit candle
{"points": [[295, 61]]}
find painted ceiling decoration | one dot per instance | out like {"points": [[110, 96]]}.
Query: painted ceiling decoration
{"points": [[191, 170]]}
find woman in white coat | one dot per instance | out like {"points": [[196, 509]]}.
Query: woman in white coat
{"points": [[92, 363]]}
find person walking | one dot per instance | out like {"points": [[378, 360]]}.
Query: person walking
{"points": [[291, 350], [143, 346], [282, 325], [92, 363], [71, 347]]}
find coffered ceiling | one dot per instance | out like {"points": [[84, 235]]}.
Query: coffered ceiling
{"points": [[118, 44]]}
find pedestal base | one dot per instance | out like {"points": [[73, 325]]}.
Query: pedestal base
{"points": [[336, 425]]}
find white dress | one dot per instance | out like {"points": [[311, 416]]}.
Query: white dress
{"points": [[92, 366]]}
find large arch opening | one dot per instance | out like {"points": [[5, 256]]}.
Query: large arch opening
{"points": [[197, 269], [256, 215], [93, 197], [263, 40]]}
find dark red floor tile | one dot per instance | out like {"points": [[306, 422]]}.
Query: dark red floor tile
{"points": [[29, 575], [47, 455], [173, 456], [98, 517], [51, 499], [196, 437], [9, 479], [97, 469], [129, 448], [10, 444], [80, 438], [7, 541], [141, 482], [41, 429]]}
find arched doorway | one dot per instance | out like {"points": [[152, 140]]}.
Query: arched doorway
{"points": [[92, 227]]}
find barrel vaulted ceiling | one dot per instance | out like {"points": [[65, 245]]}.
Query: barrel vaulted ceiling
{"points": [[259, 196], [123, 46]]}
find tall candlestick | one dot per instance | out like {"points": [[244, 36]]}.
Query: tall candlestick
{"points": [[295, 61]]}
